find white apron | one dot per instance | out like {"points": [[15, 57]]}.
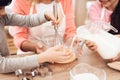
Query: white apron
{"points": [[45, 33]]}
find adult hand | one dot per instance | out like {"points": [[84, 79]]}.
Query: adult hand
{"points": [[56, 54]]}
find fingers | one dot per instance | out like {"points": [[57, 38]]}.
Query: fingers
{"points": [[67, 52], [61, 54], [113, 59], [78, 41], [57, 22], [63, 51], [57, 1], [88, 43], [49, 16], [66, 59], [116, 58], [40, 45], [94, 48], [58, 48], [91, 45]]}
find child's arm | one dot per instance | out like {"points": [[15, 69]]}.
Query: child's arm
{"points": [[30, 20]]}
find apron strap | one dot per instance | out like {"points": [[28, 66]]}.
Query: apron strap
{"points": [[102, 14], [31, 8]]}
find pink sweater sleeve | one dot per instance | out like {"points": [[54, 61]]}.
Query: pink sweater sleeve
{"points": [[95, 11], [69, 13], [20, 34]]}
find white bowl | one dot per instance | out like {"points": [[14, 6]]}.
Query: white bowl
{"points": [[83, 71]]}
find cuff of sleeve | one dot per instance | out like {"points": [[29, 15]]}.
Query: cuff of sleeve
{"points": [[32, 61], [42, 17], [19, 43]]}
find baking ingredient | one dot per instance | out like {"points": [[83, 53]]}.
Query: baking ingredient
{"points": [[86, 76]]}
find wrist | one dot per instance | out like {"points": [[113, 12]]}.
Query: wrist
{"points": [[42, 58], [46, 17], [34, 48]]}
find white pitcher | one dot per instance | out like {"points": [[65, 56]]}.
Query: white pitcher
{"points": [[108, 44]]}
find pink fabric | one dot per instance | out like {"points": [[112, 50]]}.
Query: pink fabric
{"points": [[20, 34], [95, 12]]}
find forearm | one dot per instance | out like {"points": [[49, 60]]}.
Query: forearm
{"points": [[11, 64], [70, 31], [28, 21], [43, 57], [70, 23], [68, 41], [28, 46]]}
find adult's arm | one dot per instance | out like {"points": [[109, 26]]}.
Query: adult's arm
{"points": [[12, 64]]}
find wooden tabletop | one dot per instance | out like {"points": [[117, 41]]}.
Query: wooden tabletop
{"points": [[95, 60], [61, 71]]}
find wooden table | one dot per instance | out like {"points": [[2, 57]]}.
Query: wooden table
{"points": [[95, 60], [61, 71]]}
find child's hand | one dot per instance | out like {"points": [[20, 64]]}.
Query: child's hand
{"points": [[116, 58], [49, 16], [40, 47], [91, 45]]}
